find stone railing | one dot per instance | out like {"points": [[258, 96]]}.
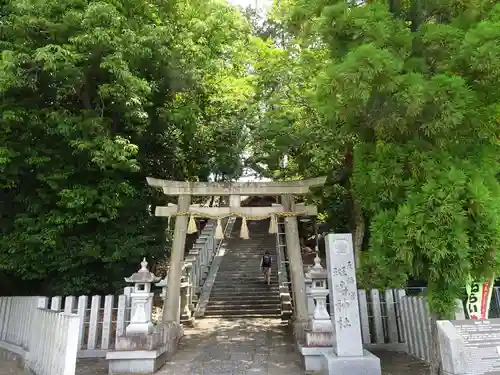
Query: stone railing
{"points": [[283, 280], [195, 270], [196, 267], [45, 340], [209, 282]]}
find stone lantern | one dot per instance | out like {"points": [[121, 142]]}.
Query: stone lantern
{"points": [[184, 301], [309, 296], [321, 321], [185, 308], [163, 285], [319, 335], [142, 301]]}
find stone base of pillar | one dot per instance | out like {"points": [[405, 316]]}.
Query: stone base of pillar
{"points": [[139, 329], [331, 364], [187, 318], [318, 342], [319, 339], [144, 354], [286, 304], [313, 357], [187, 321], [299, 330]]}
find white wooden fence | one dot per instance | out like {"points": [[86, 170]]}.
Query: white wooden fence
{"points": [[64, 328], [103, 318], [381, 318], [46, 340], [417, 322]]}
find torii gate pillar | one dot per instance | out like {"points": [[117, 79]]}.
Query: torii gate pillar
{"points": [[296, 268], [172, 298]]}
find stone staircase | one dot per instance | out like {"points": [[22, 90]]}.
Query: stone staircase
{"points": [[239, 289]]}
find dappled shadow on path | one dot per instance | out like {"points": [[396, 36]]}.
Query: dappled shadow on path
{"points": [[247, 347], [236, 346], [224, 347]]}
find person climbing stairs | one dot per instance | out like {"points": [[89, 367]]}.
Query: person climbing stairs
{"points": [[240, 289]]}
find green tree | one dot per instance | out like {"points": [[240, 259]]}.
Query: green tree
{"points": [[287, 123], [410, 97], [94, 97]]}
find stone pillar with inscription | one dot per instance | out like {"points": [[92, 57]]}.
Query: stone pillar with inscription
{"points": [[348, 356]]}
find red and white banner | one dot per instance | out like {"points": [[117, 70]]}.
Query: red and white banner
{"points": [[478, 299]]}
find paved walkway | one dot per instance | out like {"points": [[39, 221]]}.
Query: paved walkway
{"points": [[10, 368], [247, 347], [230, 347], [241, 347]]}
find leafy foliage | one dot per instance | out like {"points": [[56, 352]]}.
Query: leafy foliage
{"points": [[94, 97], [404, 116]]}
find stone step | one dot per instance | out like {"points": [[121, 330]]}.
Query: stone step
{"points": [[246, 291], [241, 259], [221, 305], [250, 277], [242, 273], [265, 290], [273, 288], [245, 298], [238, 312], [252, 269], [268, 289], [256, 280], [239, 290], [246, 316], [249, 251], [247, 284], [237, 274], [242, 267], [237, 261], [247, 275], [242, 264], [248, 304], [258, 285]]}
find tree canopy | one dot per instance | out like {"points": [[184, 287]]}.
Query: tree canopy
{"points": [[94, 97], [398, 103], [395, 101]]}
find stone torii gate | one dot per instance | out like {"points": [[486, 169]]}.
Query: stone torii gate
{"points": [[183, 210]]}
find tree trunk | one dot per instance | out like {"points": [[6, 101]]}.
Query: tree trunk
{"points": [[436, 366], [357, 220], [359, 229]]}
